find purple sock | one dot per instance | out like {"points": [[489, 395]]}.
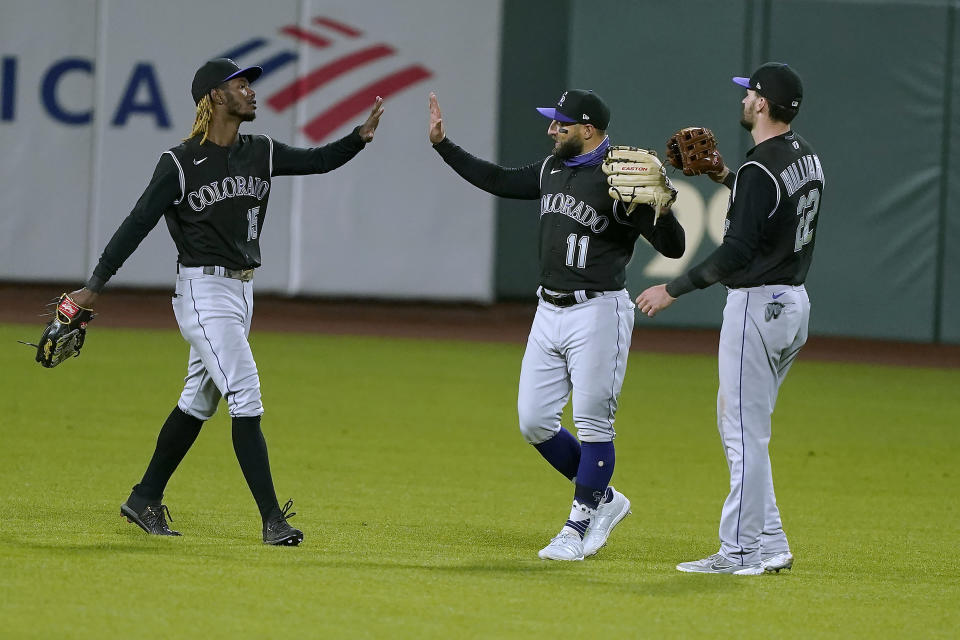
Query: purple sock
{"points": [[594, 472], [563, 452]]}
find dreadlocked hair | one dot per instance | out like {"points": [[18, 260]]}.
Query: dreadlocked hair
{"points": [[202, 122]]}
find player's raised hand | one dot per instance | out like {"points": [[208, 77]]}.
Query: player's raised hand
{"points": [[437, 131], [370, 126], [654, 299]]}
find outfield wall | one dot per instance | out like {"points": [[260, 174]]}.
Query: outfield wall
{"points": [[91, 91], [881, 106]]}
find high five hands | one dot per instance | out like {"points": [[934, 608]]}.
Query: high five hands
{"points": [[437, 131], [368, 128]]}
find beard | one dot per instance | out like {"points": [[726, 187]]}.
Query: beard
{"points": [[745, 122], [244, 117], [568, 149], [236, 110]]}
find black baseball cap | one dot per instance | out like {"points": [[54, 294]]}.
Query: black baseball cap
{"points": [[217, 71], [776, 82], [579, 106]]}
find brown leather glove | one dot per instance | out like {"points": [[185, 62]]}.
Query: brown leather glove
{"points": [[694, 151]]}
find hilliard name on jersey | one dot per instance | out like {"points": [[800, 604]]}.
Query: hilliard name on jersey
{"points": [[229, 187], [800, 172], [578, 210]]}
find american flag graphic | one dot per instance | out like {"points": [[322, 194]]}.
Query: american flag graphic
{"points": [[346, 50]]}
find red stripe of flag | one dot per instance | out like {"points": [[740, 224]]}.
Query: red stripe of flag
{"points": [[337, 26], [306, 36], [361, 101], [321, 76]]}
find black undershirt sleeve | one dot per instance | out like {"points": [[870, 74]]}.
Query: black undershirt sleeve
{"points": [[295, 161], [667, 236], [163, 190], [522, 183], [730, 180], [755, 200]]}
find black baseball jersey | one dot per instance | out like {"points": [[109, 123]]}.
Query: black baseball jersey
{"points": [[771, 223], [215, 199], [586, 238]]}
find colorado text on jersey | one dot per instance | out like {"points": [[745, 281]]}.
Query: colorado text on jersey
{"points": [[582, 213], [227, 188]]}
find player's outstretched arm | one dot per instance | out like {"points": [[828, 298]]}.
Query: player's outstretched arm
{"points": [[297, 161], [437, 131], [521, 183], [732, 255], [368, 128], [163, 190]]}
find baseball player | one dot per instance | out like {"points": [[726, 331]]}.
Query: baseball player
{"points": [[581, 332], [213, 191], [763, 261]]}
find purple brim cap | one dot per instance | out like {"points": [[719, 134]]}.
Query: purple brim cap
{"points": [[250, 73], [553, 114], [743, 82]]}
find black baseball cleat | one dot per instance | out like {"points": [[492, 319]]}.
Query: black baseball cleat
{"points": [[277, 531], [151, 519]]}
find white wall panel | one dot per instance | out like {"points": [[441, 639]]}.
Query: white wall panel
{"points": [[394, 222], [45, 171]]}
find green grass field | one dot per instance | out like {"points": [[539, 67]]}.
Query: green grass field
{"points": [[423, 508]]}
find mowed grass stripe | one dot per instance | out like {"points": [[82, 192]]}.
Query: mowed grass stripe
{"points": [[423, 508]]}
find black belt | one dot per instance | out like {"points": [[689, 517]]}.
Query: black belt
{"points": [[567, 299], [246, 275], [237, 274]]}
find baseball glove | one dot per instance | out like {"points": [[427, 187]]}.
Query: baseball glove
{"points": [[636, 176], [694, 150], [63, 336]]}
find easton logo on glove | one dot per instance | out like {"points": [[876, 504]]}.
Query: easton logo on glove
{"points": [[64, 335], [636, 176]]}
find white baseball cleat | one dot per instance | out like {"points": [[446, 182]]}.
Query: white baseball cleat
{"points": [[717, 563], [609, 515], [777, 561], [567, 545]]}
